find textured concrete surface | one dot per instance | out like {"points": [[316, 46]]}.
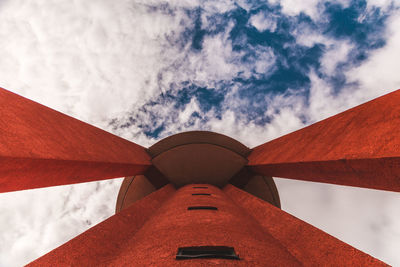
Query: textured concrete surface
{"points": [[173, 226], [150, 231], [359, 147], [310, 245], [264, 188], [198, 157], [41, 147], [199, 163], [104, 242], [133, 189]]}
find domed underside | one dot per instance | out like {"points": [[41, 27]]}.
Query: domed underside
{"points": [[197, 157]]}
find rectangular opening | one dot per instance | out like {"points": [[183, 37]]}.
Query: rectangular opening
{"points": [[201, 194], [202, 208], [215, 252], [200, 187]]}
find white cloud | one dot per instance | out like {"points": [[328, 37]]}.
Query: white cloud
{"points": [[312, 8], [216, 62], [219, 60], [324, 103], [308, 36], [264, 21], [293, 7], [283, 111], [80, 56], [385, 5], [364, 218], [379, 75], [34, 222], [264, 61], [190, 108], [336, 52]]}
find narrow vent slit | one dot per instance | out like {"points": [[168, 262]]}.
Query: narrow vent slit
{"points": [[202, 208], [215, 252]]}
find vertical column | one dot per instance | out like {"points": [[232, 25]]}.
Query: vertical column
{"points": [[202, 216]]}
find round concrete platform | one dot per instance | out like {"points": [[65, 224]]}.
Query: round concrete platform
{"points": [[197, 157]]}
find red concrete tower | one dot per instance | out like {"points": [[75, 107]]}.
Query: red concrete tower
{"points": [[200, 198]]}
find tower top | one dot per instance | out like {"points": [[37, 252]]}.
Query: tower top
{"points": [[197, 157]]}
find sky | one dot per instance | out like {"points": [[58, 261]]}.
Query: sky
{"points": [[253, 70]]}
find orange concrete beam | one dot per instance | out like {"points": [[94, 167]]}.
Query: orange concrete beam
{"points": [[311, 246], [102, 244], [359, 147], [41, 147]]}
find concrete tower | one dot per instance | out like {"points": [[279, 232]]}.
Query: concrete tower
{"points": [[200, 198]]}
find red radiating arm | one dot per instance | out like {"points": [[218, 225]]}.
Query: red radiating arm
{"points": [[311, 246], [41, 147], [104, 242], [358, 147]]}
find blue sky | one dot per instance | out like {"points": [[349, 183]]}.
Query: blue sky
{"points": [[262, 58], [253, 70]]}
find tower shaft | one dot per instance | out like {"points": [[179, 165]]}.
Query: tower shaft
{"points": [[153, 229]]}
